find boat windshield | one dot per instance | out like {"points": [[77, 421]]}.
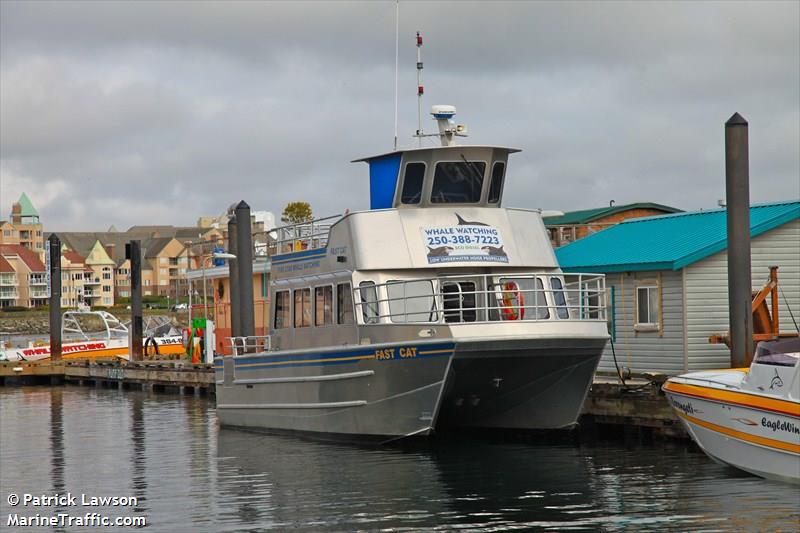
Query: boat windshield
{"points": [[458, 182], [778, 353]]}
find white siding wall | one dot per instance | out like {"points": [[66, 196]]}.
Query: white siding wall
{"points": [[647, 351], [707, 292]]}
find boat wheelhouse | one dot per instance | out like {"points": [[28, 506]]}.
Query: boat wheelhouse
{"points": [[435, 308]]}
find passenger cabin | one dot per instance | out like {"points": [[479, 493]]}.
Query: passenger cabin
{"points": [[435, 247]]}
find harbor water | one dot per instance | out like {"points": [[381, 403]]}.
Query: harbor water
{"points": [[167, 455]]}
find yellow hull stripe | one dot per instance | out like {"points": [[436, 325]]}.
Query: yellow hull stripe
{"points": [[166, 349], [736, 434], [785, 407]]}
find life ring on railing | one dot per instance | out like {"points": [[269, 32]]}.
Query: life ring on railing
{"points": [[513, 302]]}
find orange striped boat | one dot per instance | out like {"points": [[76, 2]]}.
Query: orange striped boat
{"points": [[747, 418]]}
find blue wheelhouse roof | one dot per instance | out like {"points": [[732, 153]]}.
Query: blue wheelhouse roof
{"points": [[666, 242]]}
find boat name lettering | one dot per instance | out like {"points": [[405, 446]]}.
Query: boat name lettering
{"points": [[339, 250], [776, 425], [686, 408], [406, 352], [296, 267], [45, 350]]}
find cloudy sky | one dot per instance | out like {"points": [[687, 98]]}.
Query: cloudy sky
{"points": [[159, 112]]}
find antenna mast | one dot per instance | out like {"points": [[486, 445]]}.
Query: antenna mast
{"points": [[396, 63], [420, 89]]}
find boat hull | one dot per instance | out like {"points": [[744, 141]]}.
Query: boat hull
{"points": [[93, 349], [398, 390], [749, 432]]}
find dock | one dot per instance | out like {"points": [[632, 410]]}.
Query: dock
{"points": [[158, 376], [639, 403]]}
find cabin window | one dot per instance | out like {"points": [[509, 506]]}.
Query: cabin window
{"points": [[647, 306], [412, 183], [458, 182], [323, 306], [282, 312], [496, 185], [411, 301], [302, 308], [344, 304], [523, 299], [369, 302], [559, 297]]}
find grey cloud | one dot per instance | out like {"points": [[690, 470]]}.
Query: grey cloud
{"points": [[177, 109]]}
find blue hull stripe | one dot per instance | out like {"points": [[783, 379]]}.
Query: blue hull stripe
{"points": [[300, 256], [385, 353]]}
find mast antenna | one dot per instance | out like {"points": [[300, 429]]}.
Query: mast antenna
{"points": [[420, 89], [396, 62]]}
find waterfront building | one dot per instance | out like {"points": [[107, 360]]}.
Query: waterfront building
{"points": [[24, 227], [218, 288], [24, 282], [574, 225], [74, 275], [667, 282]]}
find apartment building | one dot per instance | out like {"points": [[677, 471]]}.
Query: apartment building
{"points": [[24, 227], [24, 281], [74, 274]]}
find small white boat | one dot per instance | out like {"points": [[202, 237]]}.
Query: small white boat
{"points": [[98, 335], [747, 418]]}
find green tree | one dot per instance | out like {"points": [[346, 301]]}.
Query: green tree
{"points": [[296, 212]]}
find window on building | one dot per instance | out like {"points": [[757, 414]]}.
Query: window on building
{"points": [[106, 275], [496, 185], [344, 304], [412, 183], [647, 305], [369, 302], [411, 301], [323, 306], [106, 288], [458, 182], [302, 308], [282, 312]]}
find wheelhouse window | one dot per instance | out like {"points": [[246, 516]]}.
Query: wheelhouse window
{"points": [[323, 306], [458, 182], [496, 185], [302, 308], [282, 311], [413, 181], [411, 301], [458, 298], [344, 304], [369, 302], [647, 306]]}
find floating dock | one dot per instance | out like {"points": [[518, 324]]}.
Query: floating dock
{"points": [[159, 376]]}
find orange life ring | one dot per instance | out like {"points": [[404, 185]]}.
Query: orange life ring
{"points": [[513, 302]]}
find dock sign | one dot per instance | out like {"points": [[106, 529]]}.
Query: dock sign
{"points": [[465, 241]]}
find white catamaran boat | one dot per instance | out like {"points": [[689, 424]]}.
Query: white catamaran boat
{"points": [[747, 418], [99, 335], [435, 308]]}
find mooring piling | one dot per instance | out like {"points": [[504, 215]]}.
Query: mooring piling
{"points": [[54, 271], [133, 251], [244, 256], [737, 192], [233, 274]]}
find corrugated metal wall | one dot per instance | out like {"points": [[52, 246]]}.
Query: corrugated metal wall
{"points": [[647, 351], [707, 292]]}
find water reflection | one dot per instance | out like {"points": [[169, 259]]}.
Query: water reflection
{"points": [[188, 475]]}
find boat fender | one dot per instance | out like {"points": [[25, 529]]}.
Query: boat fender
{"points": [[513, 302]]}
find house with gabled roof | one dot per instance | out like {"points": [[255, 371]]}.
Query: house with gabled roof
{"points": [[573, 225], [667, 283], [30, 275], [8, 284]]}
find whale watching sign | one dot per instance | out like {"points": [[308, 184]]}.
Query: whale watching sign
{"points": [[466, 241]]}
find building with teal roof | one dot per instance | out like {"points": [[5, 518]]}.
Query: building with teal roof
{"points": [[668, 287]]}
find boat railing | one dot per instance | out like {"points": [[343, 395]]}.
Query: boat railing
{"points": [[526, 297], [310, 235], [250, 344]]}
